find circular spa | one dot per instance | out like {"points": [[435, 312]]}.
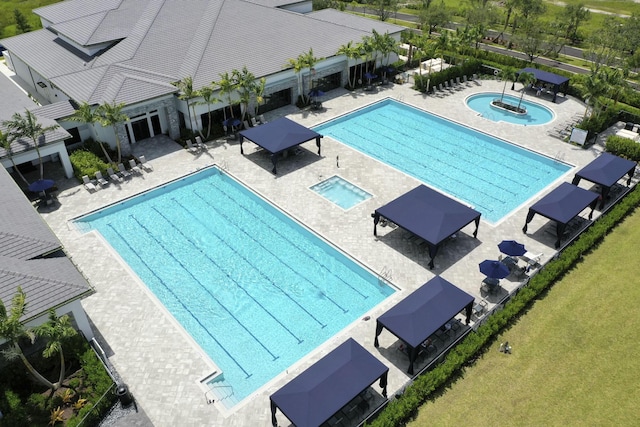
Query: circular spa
{"points": [[536, 114]]}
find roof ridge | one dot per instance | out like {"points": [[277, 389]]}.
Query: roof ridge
{"points": [[201, 47]]}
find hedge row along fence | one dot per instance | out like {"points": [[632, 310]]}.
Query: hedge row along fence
{"points": [[400, 410]]}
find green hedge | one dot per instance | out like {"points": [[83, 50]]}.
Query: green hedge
{"points": [[85, 162], [468, 68], [623, 147], [400, 410]]}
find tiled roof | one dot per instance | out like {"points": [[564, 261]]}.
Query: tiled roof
{"points": [[25, 144], [169, 41], [54, 111], [24, 239]]}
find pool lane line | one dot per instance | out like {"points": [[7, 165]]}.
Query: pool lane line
{"points": [[322, 325], [344, 310], [300, 341], [210, 294], [324, 267], [248, 375]]}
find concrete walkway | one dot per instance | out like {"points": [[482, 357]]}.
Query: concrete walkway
{"points": [[162, 365]]}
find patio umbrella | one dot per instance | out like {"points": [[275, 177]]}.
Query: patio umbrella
{"points": [[231, 122], [41, 185], [511, 248], [315, 93], [494, 269], [370, 76]]}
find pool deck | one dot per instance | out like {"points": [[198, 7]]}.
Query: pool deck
{"points": [[161, 364]]}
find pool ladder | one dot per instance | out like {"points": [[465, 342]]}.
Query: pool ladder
{"points": [[224, 165], [386, 275], [559, 157]]}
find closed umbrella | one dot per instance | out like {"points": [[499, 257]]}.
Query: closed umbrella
{"points": [[41, 185], [494, 269], [511, 248]]}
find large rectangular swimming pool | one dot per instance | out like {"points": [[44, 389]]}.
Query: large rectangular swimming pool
{"points": [[255, 289], [493, 176]]}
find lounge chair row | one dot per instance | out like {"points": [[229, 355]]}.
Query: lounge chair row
{"points": [[197, 147], [453, 85], [100, 181]]}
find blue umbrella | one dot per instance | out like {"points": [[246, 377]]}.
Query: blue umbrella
{"points": [[511, 248], [41, 185], [494, 269], [315, 92]]}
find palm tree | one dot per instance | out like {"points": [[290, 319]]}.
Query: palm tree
{"points": [[310, 62], [351, 52], [616, 79], [594, 86], [297, 65], [245, 83], [206, 92], [526, 79], [227, 87], [386, 46], [258, 93], [112, 115], [187, 93], [56, 330], [12, 330], [88, 115], [5, 142], [27, 126], [509, 75]]}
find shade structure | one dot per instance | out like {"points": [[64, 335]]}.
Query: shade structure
{"points": [[563, 204], [324, 388], [494, 269], [41, 185], [557, 82], [606, 170], [511, 248], [428, 214], [279, 135], [423, 312]]}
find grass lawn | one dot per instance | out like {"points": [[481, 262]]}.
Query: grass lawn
{"points": [[575, 352]]}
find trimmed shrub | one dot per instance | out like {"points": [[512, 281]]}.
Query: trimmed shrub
{"points": [[85, 162], [623, 147]]}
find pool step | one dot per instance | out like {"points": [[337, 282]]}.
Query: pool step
{"points": [[223, 392]]}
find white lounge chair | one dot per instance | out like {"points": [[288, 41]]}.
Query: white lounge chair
{"points": [[144, 164], [246, 124], [261, 119], [88, 184], [112, 175], [199, 143], [101, 180], [123, 171], [190, 147], [254, 122], [134, 167]]}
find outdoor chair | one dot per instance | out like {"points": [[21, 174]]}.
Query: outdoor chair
{"points": [[134, 167], [464, 79], [123, 171], [101, 180], [246, 124], [490, 285], [144, 164], [479, 308], [113, 175], [190, 147], [254, 122], [458, 82], [262, 119], [199, 143], [88, 184]]}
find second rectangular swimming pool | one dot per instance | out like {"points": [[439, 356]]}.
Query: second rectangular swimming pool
{"points": [[492, 175]]}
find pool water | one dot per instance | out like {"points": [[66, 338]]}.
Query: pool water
{"points": [[537, 114], [341, 192], [256, 290], [491, 175]]}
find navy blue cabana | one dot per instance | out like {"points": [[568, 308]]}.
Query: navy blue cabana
{"points": [[428, 214], [605, 171], [562, 205], [559, 83], [423, 312], [319, 392], [278, 136]]}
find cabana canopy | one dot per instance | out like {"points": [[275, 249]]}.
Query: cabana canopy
{"points": [[558, 82], [423, 312], [562, 205], [323, 389], [278, 136], [605, 171], [428, 214]]}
